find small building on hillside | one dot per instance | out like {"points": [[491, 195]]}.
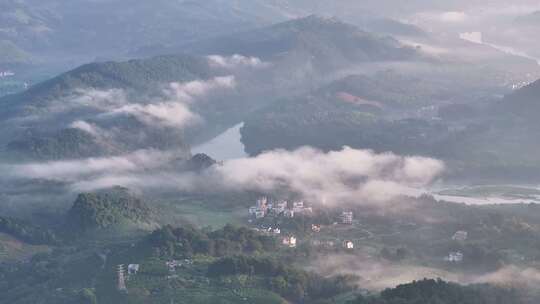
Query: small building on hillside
{"points": [[279, 207], [172, 264], [460, 236], [315, 228], [298, 206], [133, 269], [454, 257], [260, 209], [289, 241], [348, 245], [274, 231], [347, 217], [288, 213]]}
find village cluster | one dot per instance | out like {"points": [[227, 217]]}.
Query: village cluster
{"points": [[265, 207]]}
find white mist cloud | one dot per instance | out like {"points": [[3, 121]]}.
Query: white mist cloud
{"points": [[511, 276], [376, 274], [87, 127], [167, 114], [96, 99], [75, 170], [236, 61], [475, 37], [175, 111], [348, 176], [446, 18], [188, 91], [453, 17], [345, 176], [171, 110]]}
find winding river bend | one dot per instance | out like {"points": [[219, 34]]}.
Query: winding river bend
{"points": [[226, 146]]}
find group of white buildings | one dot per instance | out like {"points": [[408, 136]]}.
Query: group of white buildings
{"points": [[264, 207], [454, 257], [4, 74]]}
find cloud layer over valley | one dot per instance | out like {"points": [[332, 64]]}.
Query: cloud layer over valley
{"points": [[347, 176]]}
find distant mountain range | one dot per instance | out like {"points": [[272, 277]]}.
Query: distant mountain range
{"points": [[68, 32], [295, 51], [107, 28], [321, 36]]}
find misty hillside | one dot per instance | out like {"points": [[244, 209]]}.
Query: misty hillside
{"points": [[300, 49], [478, 140], [326, 40], [59, 104], [140, 75], [56, 27]]}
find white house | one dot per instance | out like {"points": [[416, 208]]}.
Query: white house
{"points": [[279, 207], [260, 209], [262, 202], [348, 245], [460, 236], [454, 257], [289, 241], [288, 213], [133, 268], [298, 206]]}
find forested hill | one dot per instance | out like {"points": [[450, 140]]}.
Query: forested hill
{"points": [[328, 40], [142, 74], [440, 292], [109, 209], [27, 232], [37, 123]]}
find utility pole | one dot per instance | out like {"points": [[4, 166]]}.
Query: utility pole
{"points": [[121, 278]]}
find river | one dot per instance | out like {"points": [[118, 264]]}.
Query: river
{"points": [[226, 146]]}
